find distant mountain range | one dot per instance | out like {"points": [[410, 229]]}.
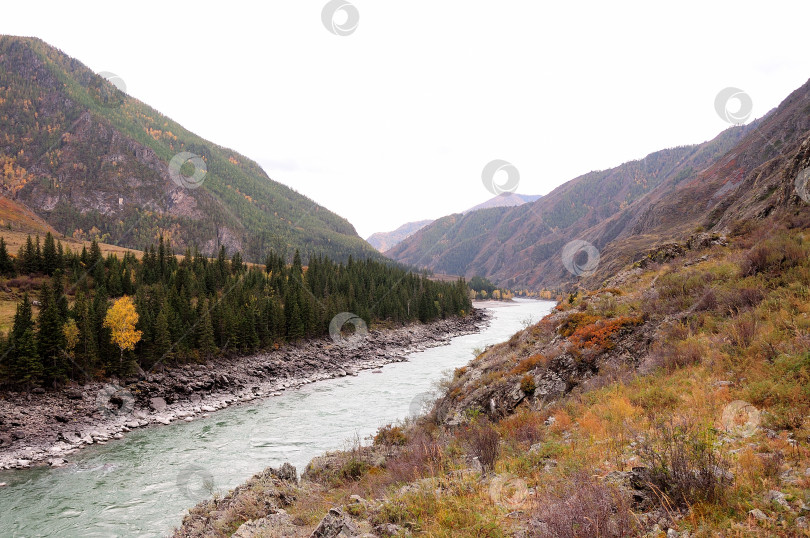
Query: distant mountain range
{"points": [[384, 241], [506, 199], [96, 163], [744, 174]]}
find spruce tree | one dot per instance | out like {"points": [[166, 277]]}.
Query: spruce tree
{"points": [[204, 333], [162, 345], [6, 263], [26, 366], [49, 255], [49, 335]]}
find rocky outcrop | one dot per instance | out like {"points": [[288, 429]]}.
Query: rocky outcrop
{"points": [[494, 384]]}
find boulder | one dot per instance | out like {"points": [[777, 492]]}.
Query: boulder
{"points": [[335, 524], [278, 523], [158, 404], [758, 514], [286, 472]]}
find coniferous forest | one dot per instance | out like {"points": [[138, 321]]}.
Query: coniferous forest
{"points": [[104, 315]]}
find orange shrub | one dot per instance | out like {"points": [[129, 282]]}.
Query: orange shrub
{"points": [[529, 363], [574, 322], [599, 334], [562, 421]]}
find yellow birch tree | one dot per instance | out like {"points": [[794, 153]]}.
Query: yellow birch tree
{"points": [[121, 319]]}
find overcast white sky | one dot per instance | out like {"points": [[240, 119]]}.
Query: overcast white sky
{"points": [[395, 121]]}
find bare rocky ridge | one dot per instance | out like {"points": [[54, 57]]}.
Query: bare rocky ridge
{"points": [[48, 426]]}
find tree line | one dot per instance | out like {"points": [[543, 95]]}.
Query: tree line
{"points": [[189, 309]]}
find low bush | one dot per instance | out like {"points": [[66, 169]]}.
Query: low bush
{"points": [[599, 334], [525, 427], [390, 435], [784, 389], [684, 468], [421, 456], [529, 363], [527, 384], [482, 441], [583, 506]]}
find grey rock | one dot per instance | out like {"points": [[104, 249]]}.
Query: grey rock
{"points": [[335, 525], [286, 472], [158, 404], [777, 497], [672, 533], [801, 523], [758, 514], [73, 394], [278, 523], [388, 529]]}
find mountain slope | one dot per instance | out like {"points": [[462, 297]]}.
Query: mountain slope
{"points": [[93, 161], [383, 241], [627, 210], [506, 199]]}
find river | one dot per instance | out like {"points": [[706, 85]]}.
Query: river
{"points": [[143, 484]]}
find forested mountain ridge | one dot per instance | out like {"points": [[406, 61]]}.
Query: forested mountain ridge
{"points": [[94, 163], [626, 212]]}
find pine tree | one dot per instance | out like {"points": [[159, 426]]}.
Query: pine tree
{"points": [[49, 335], [6, 263], [49, 255], [94, 257], [295, 325], [26, 366], [162, 345], [37, 263], [204, 333]]}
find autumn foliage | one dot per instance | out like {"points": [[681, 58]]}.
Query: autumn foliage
{"points": [[122, 319]]}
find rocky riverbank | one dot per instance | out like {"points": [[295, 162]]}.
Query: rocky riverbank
{"points": [[46, 427]]}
